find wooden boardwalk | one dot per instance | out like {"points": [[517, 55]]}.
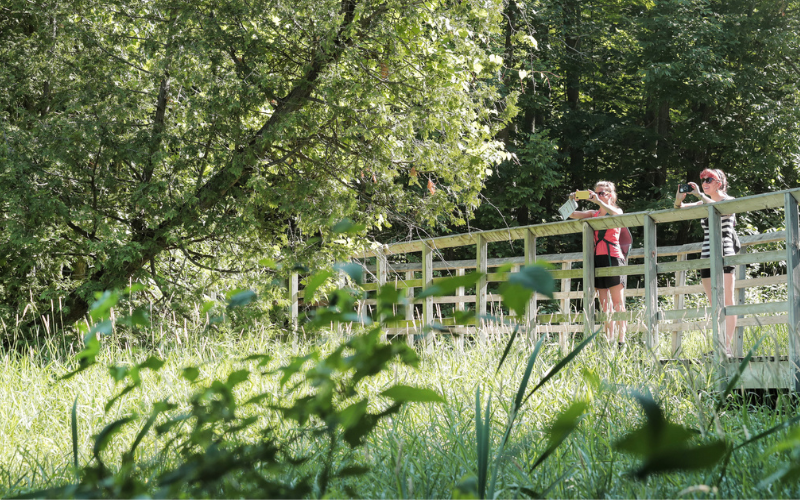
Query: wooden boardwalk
{"points": [[649, 261]]}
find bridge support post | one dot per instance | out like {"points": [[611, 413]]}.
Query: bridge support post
{"points": [[410, 309], [530, 258], [565, 307], [651, 282], [588, 279], [459, 306], [294, 300], [382, 264], [741, 275], [481, 265], [680, 303], [717, 298], [427, 282], [793, 282]]}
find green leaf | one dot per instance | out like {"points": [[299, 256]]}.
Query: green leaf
{"points": [[74, 428], [100, 309], [190, 373], [313, 283], [355, 271], [104, 437], [562, 427], [404, 393], [346, 226], [242, 299], [447, 286]]}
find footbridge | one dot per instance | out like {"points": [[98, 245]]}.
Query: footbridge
{"points": [[666, 307]]}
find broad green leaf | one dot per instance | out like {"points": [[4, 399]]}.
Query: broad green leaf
{"points": [[242, 299], [404, 393]]}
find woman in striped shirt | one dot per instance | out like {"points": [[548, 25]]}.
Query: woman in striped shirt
{"points": [[715, 188]]}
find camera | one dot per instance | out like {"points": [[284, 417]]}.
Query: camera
{"points": [[583, 195], [685, 188]]}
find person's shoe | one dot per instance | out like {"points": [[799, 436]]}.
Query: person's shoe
{"points": [[622, 345]]}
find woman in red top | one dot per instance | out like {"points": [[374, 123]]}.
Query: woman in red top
{"points": [[607, 252]]}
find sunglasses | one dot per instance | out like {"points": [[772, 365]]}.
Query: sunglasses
{"points": [[602, 193], [708, 180]]}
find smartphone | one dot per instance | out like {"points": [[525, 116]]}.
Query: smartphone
{"points": [[685, 188], [583, 195]]}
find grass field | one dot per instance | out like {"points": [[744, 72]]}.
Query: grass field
{"points": [[426, 449]]}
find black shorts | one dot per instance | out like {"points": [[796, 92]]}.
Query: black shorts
{"points": [[706, 273], [608, 281]]}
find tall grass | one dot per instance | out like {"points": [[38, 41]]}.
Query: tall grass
{"points": [[426, 450]]}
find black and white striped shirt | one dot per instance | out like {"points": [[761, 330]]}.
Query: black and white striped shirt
{"points": [[728, 229]]}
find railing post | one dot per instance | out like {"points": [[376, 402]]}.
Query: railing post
{"points": [[294, 299], [427, 282], [481, 265], [460, 291], [459, 306], [530, 258], [741, 275], [650, 283], [382, 264], [411, 308], [717, 298], [588, 279], [793, 281], [680, 303], [565, 307]]}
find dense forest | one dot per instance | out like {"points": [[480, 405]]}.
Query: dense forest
{"points": [[194, 146]]}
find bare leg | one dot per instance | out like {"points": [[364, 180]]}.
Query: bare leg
{"points": [[618, 299], [605, 306]]}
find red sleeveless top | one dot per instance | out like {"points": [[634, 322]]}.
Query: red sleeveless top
{"points": [[609, 245]]}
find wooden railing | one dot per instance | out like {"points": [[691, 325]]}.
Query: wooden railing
{"points": [[646, 260]]}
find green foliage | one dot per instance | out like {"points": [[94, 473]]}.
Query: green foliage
{"points": [[181, 145], [664, 446]]}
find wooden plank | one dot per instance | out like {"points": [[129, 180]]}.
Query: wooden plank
{"points": [[566, 273], [620, 271], [565, 304], [793, 284], [755, 257], [481, 250], [763, 281], [294, 300], [717, 299], [530, 310], [738, 339], [705, 325], [636, 253], [410, 296], [762, 308], [588, 278], [682, 265], [427, 282], [679, 303], [460, 292], [651, 283]]}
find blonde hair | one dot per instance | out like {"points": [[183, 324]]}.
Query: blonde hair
{"points": [[610, 187]]}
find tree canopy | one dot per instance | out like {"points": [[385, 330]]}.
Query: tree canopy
{"points": [[139, 137]]}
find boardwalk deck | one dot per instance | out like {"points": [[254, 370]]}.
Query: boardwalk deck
{"points": [[649, 260]]}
